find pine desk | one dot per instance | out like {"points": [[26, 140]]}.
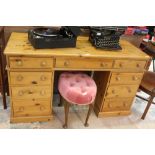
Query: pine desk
{"points": [[31, 75]]}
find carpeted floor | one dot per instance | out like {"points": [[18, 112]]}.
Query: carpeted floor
{"points": [[77, 116]]}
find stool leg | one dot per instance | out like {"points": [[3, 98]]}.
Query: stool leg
{"points": [[66, 108], [88, 114], [61, 101], [147, 107]]}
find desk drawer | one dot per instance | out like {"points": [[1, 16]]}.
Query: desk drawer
{"points": [[28, 92], [29, 62], [117, 104], [121, 91], [31, 108], [83, 63], [30, 78], [124, 78], [130, 64]]}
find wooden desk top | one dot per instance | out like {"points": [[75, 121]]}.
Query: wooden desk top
{"points": [[18, 44]]}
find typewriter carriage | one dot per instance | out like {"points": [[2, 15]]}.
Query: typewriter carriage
{"points": [[106, 37]]}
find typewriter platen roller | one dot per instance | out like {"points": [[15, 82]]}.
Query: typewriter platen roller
{"points": [[106, 37]]}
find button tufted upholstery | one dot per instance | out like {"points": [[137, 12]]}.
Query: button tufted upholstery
{"points": [[77, 88]]}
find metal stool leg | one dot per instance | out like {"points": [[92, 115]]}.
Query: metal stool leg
{"points": [[66, 108], [88, 114], [147, 107]]}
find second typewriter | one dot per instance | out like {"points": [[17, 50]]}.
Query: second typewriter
{"points": [[106, 37]]}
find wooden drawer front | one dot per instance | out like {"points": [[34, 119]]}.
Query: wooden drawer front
{"points": [[126, 78], [28, 62], [31, 108], [121, 91], [41, 92], [83, 63], [30, 78], [117, 104], [130, 64]]}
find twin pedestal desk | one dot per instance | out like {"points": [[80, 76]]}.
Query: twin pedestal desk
{"points": [[31, 76]]}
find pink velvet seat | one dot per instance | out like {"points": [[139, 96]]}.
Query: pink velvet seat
{"points": [[77, 88]]}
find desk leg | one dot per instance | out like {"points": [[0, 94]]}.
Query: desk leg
{"points": [[3, 89], [101, 79]]}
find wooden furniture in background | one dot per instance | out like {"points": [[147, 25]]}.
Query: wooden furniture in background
{"points": [[148, 86], [3, 74], [117, 74], [149, 49], [134, 39]]}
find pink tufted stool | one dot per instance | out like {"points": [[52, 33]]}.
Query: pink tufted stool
{"points": [[77, 88]]}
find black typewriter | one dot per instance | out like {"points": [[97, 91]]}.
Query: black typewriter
{"points": [[106, 37], [62, 37]]}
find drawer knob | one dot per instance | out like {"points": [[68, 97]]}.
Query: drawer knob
{"points": [[19, 63], [42, 108], [42, 92], [66, 63], [30, 92], [43, 63], [121, 65], [118, 78], [43, 78], [135, 78], [19, 78], [138, 65], [102, 64], [21, 109], [20, 93]]}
